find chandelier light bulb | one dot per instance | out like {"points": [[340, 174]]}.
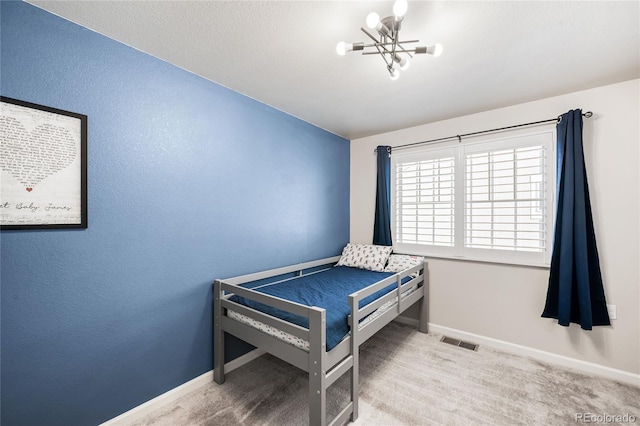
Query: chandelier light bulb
{"points": [[404, 64], [402, 61], [394, 74], [438, 50], [400, 8], [435, 50], [373, 19], [341, 48]]}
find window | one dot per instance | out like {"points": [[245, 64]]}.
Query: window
{"points": [[489, 200]]}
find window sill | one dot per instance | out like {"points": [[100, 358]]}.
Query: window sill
{"points": [[506, 262]]}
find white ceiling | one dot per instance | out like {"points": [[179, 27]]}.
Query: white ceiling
{"points": [[283, 53]]}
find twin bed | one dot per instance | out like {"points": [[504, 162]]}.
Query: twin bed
{"points": [[315, 315]]}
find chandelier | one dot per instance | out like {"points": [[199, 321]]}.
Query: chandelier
{"points": [[388, 44]]}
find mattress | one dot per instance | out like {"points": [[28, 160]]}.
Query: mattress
{"points": [[304, 344], [328, 289]]}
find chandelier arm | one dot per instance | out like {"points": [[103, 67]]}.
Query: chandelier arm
{"points": [[384, 57], [375, 40], [379, 44], [399, 43], [402, 49], [393, 50], [405, 50], [384, 45], [394, 38], [408, 52]]}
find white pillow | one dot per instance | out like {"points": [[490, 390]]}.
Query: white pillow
{"points": [[365, 256], [400, 262]]}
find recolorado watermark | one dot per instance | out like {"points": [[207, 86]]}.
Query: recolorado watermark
{"points": [[605, 418]]}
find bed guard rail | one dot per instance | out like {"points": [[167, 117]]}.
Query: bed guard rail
{"points": [[225, 288], [358, 312]]}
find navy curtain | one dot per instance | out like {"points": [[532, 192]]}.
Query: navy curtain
{"points": [[575, 292], [382, 225]]}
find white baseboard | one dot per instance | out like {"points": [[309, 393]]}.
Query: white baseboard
{"points": [[565, 361], [148, 407]]}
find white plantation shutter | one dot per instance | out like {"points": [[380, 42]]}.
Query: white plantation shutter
{"points": [[504, 212], [424, 195], [505, 199]]}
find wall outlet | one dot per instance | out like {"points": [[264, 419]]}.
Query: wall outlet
{"points": [[613, 312]]}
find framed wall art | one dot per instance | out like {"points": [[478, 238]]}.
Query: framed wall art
{"points": [[43, 167]]}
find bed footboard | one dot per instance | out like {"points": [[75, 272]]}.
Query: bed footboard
{"points": [[218, 334]]}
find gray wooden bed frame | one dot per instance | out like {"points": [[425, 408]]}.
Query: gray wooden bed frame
{"points": [[324, 367]]}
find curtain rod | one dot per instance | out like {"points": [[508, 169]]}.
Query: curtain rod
{"points": [[587, 114]]}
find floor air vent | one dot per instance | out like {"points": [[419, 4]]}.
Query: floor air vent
{"points": [[460, 343]]}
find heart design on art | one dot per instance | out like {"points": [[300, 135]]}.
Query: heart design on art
{"points": [[31, 157]]}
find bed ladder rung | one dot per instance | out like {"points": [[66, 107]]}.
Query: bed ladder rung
{"points": [[336, 372], [341, 418]]}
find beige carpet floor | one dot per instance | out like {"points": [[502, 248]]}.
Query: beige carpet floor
{"points": [[409, 378]]}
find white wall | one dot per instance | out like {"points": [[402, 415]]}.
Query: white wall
{"points": [[505, 302]]}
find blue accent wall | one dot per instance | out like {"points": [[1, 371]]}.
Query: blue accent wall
{"points": [[188, 182]]}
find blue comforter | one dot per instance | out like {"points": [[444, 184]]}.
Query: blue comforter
{"points": [[327, 289]]}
